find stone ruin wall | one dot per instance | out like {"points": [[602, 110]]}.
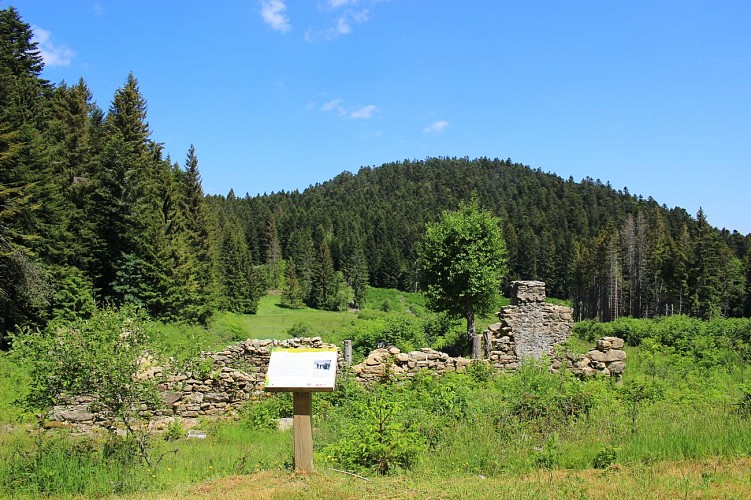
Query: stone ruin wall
{"points": [[236, 375], [528, 327]]}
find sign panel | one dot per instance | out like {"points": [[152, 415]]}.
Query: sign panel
{"points": [[301, 370]]}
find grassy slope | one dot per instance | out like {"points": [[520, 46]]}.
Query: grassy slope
{"points": [[273, 321]]}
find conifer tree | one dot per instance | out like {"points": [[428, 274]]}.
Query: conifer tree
{"points": [[292, 295], [241, 289]]}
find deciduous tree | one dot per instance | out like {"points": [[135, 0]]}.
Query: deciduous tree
{"points": [[462, 262]]}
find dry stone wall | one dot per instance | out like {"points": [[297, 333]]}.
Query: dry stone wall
{"points": [[390, 361], [607, 358], [231, 377]]}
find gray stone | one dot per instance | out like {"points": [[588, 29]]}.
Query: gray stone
{"points": [[615, 342], [285, 424], [171, 397], [73, 415], [617, 367], [607, 357], [216, 397]]}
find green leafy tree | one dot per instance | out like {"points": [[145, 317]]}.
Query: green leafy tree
{"points": [[97, 357], [462, 261]]}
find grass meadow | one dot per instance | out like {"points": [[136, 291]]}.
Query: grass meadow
{"points": [[678, 425]]}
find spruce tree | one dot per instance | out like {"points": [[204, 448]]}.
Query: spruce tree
{"points": [[292, 294], [240, 284]]}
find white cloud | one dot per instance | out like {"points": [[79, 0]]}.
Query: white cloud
{"points": [[337, 105], [436, 127], [342, 26], [364, 112], [272, 12], [334, 104], [98, 9], [53, 55], [342, 17]]}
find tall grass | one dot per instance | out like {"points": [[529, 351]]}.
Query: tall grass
{"points": [[65, 465]]}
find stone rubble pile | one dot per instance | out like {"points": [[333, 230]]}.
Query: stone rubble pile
{"points": [[607, 358]]}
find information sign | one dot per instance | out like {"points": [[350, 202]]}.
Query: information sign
{"points": [[301, 370]]}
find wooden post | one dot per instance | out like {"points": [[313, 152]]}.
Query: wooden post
{"points": [[303, 425], [347, 352], [476, 346]]}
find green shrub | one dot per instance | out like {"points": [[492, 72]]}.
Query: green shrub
{"points": [[300, 330], [549, 455], [590, 330], [376, 437], [744, 401], [174, 431], [480, 371], [604, 458], [264, 414], [398, 329], [546, 399]]}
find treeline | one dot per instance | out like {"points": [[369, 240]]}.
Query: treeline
{"points": [[91, 212], [614, 254]]}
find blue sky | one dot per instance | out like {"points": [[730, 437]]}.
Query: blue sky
{"points": [[281, 94]]}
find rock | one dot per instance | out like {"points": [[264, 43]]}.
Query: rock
{"points": [[72, 415], [196, 434], [194, 397], [615, 342], [617, 367], [607, 357], [171, 397], [285, 424], [216, 397], [54, 424]]}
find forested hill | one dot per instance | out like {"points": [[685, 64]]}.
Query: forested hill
{"points": [[613, 253]]}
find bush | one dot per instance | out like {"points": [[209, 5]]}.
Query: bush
{"points": [[398, 329], [376, 438], [265, 414], [300, 330], [549, 455], [604, 458], [546, 399], [744, 401]]}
